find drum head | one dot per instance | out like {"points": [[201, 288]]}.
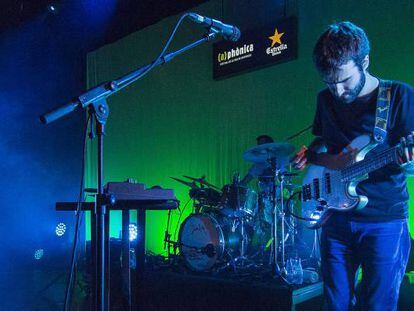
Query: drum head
{"points": [[201, 241], [238, 201]]}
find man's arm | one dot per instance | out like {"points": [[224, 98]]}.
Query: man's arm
{"points": [[316, 154], [309, 154]]}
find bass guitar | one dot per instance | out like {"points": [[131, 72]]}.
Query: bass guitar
{"points": [[325, 190]]}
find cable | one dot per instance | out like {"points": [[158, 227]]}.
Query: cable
{"points": [[82, 183], [153, 64], [299, 133], [78, 219], [296, 216], [179, 217]]}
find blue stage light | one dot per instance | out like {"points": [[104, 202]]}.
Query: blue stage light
{"points": [[52, 9], [133, 232], [38, 254], [60, 229]]}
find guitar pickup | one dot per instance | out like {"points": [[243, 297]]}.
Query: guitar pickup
{"points": [[306, 193], [328, 187], [316, 191]]}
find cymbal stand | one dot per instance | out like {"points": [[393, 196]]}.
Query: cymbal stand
{"points": [[242, 229], [315, 252], [238, 223], [279, 181], [242, 258], [275, 242], [289, 220], [282, 221]]}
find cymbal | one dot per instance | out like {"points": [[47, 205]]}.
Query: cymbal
{"points": [[187, 183], [262, 153], [202, 181]]}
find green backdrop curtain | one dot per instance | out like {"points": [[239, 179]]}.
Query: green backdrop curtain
{"points": [[178, 121]]}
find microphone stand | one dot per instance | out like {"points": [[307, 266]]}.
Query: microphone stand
{"points": [[95, 100], [167, 236]]}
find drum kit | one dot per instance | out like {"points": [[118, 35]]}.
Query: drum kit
{"points": [[237, 227]]}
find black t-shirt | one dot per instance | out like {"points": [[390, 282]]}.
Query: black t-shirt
{"points": [[339, 123]]}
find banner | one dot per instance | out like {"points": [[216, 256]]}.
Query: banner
{"points": [[256, 48]]}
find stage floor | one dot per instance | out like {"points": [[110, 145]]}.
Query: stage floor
{"points": [[178, 290]]}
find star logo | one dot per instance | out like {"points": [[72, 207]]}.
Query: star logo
{"points": [[276, 38]]}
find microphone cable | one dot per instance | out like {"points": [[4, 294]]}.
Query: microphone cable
{"points": [[161, 55], [79, 212]]}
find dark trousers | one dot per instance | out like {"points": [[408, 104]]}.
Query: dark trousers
{"points": [[381, 249]]}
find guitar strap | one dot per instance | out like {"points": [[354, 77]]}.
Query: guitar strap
{"points": [[382, 111]]}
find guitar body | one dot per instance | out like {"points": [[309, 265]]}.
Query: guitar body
{"points": [[324, 191]]}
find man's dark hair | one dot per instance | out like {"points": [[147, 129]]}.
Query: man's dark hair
{"points": [[340, 43], [266, 139]]}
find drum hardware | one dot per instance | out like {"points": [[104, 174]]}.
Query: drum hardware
{"points": [[222, 229], [277, 156], [262, 153], [202, 192], [277, 176], [209, 249], [221, 233], [167, 237], [240, 214], [238, 201], [196, 232], [315, 250], [203, 182], [187, 183]]}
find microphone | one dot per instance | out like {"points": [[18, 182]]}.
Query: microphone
{"points": [[209, 250], [229, 32]]}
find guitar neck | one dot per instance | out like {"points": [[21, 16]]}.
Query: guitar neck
{"points": [[369, 165]]}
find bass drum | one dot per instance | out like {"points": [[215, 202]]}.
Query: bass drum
{"points": [[206, 239]]}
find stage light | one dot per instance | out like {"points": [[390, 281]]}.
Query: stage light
{"points": [[38, 254], [133, 232], [60, 229], [51, 8]]}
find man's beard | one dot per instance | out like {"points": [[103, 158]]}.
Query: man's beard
{"points": [[349, 96]]}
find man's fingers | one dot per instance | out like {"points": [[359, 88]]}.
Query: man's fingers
{"points": [[410, 144], [301, 165], [300, 158], [300, 155], [404, 149]]}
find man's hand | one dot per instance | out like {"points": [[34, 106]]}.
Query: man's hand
{"points": [[299, 161], [406, 151], [340, 160], [331, 161]]}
